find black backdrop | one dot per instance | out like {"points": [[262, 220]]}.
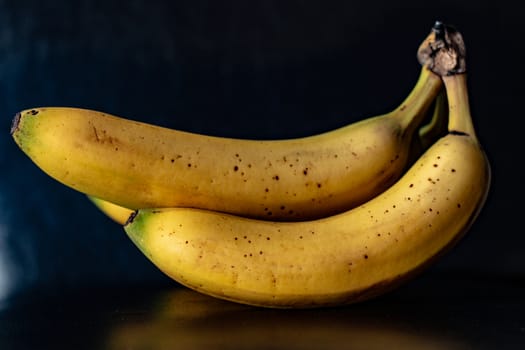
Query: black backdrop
{"points": [[255, 69]]}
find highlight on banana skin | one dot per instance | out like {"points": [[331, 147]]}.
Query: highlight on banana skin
{"points": [[324, 220]]}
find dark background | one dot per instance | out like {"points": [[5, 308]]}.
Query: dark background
{"points": [[253, 69]]}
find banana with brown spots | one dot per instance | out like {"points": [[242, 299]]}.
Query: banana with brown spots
{"points": [[340, 259], [139, 165]]}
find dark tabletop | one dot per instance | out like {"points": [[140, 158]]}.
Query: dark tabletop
{"points": [[435, 311]]}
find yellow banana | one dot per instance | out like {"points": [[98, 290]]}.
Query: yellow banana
{"points": [[138, 165], [437, 126], [428, 134], [115, 212], [344, 258]]}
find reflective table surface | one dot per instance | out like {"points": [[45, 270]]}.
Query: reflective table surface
{"points": [[435, 311]]}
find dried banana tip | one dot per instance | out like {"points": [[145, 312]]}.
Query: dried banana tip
{"points": [[443, 51]]}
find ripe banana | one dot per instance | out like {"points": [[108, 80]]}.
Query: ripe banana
{"points": [[344, 258], [428, 134], [138, 165], [114, 211]]}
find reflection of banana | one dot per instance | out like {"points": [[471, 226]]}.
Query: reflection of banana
{"points": [[183, 319], [137, 165], [340, 259]]}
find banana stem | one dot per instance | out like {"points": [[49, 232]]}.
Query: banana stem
{"points": [[413, 109], [460, 119], [438, 125], [444, 53]]}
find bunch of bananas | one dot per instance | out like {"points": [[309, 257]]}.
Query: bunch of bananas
{"points": [[323, 220]]}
